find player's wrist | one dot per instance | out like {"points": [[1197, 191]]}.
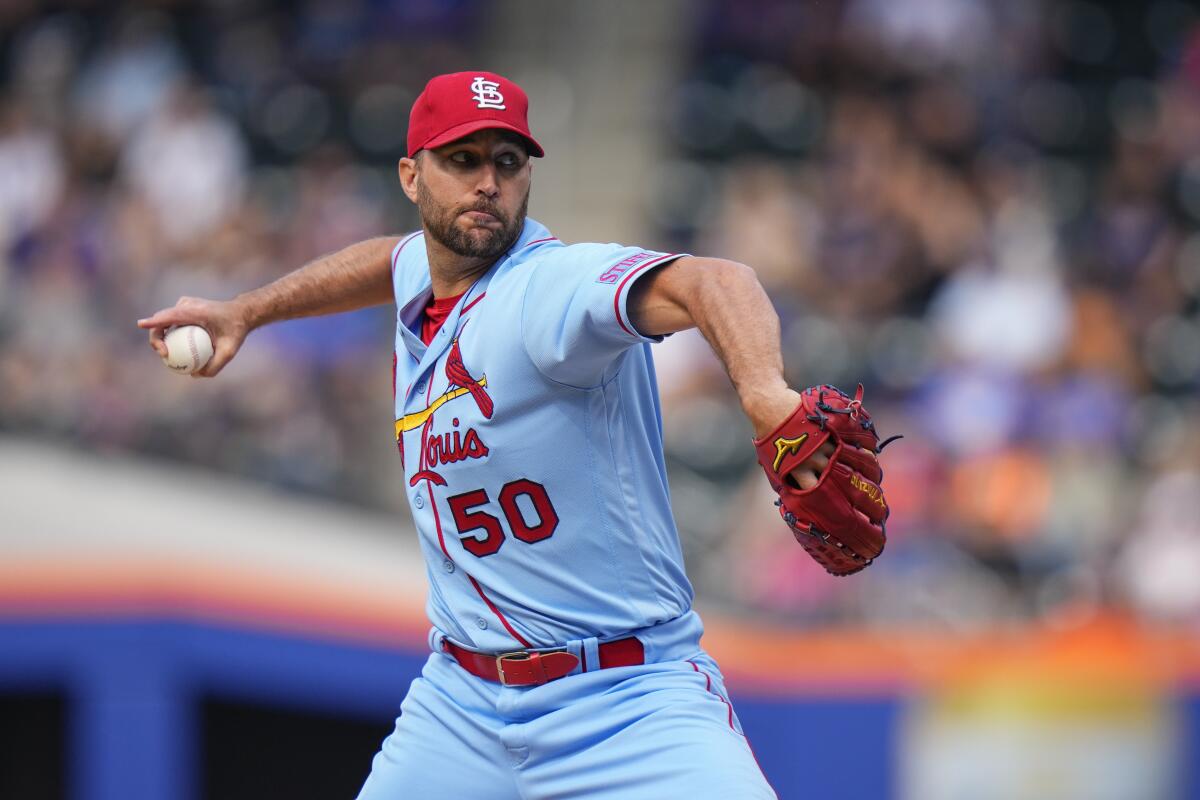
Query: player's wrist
{"points": [[248, 312], [766, 407]]}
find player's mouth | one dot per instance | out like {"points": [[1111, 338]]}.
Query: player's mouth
{"points": [[482, 218]]}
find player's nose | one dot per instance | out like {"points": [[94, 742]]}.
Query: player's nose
{"points": [[488, 181]]}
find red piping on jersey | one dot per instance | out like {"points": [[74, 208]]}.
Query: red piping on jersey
{"points": [[539, 241], [395, 260], [621, 288], [500, 616], [403, 244], [437, 519], [471, 305], [709, 689]]}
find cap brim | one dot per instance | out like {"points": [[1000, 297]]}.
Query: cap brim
{"points": [[467, 128]]}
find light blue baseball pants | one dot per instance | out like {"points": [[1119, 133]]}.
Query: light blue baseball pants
{"points": [[651, 732]]}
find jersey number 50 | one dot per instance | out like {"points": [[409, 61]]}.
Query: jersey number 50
{"points": [[468, 521]]}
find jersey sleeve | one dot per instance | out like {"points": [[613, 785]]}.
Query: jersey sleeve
{"points": [[574, 318], [401, 277]]}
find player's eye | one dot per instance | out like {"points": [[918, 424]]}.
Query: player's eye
{"points": [[508, 160], [462, 157]]}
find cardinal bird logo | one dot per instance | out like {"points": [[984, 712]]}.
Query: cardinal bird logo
{"points": [[461, 383], [453, 444], [456, 373]]}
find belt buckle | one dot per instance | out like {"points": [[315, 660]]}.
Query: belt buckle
{"points": [[523, 655], [516, 655]]}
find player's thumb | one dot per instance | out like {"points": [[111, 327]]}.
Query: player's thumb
{"points": [[224, 349]]}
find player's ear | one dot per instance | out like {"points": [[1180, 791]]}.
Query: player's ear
{"points": [[409, 170]]}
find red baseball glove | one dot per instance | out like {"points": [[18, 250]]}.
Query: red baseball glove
{"points": [[840, 521]]}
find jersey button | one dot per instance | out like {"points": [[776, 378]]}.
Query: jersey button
{"points": [[420, 387], [481, 623], [448, 565], [419, 502]]}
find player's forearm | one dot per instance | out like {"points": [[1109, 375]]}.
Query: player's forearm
{"points": [[733, 312], [354, 277], [725, 301]]}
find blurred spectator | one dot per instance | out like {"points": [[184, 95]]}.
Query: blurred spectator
{"points": [[1158, 566], [187, 163], [32, 164], [130, 77]]}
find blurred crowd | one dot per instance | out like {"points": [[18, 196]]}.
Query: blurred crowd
{"points": [[986, 212], [150, 151]]}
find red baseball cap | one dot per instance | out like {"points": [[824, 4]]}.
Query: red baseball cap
{"points": [[456, 105]]}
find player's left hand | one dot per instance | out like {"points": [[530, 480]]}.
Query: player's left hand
{"points": [[823, 462], [766, 410]]}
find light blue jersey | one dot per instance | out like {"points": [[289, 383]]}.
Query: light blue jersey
{"points": [[532, 444]]}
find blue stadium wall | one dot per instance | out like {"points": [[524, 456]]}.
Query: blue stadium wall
{"points": [[133, 686]]}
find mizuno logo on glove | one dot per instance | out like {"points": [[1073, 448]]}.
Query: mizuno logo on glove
{"points": [[868, 489], [785, 446]]}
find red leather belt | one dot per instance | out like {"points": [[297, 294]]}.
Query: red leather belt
{"points": [[533, 668]]}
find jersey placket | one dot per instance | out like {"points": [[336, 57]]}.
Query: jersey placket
{"points": [[426, 375]]}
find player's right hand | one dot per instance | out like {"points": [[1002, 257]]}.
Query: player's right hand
{"points": [[226, 322]]}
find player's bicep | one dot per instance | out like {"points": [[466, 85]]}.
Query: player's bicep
{"points": [[658, 302]]}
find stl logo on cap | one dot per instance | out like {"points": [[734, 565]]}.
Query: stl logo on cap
{"points": [[487, 93], [457, 104]]}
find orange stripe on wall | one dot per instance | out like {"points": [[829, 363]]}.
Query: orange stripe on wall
{"points": [[1105, 651], [239, 597], [754, 657]]}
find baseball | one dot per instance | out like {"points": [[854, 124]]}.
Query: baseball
{"points": [[189, 347]]}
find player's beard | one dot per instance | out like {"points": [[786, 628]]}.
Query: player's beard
{"points": [[475, 242]]}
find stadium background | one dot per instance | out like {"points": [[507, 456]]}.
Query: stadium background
{"points": [[985, 210]]}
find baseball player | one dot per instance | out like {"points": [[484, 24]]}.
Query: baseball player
{"points": [[565, 655]]}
